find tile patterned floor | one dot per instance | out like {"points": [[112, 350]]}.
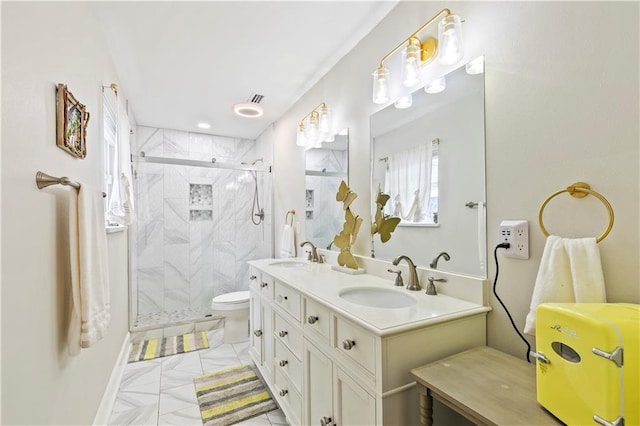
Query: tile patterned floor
{"points": [[160, 392]]}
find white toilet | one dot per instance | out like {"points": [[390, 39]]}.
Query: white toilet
{"points": [[234, 307]]}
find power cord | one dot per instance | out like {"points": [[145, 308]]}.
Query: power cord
{"points": [[495, 281]]}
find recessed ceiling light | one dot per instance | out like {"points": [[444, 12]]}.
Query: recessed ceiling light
{"points": [[204, 125], [248, 110]]}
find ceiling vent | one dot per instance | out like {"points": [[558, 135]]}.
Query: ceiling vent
{"points": [[255, 98]]}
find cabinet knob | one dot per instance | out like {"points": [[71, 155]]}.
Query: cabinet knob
{"points": [[252, 277], [312, 319], [258, 333], [283, 392], [348, 344], [263, 285], [282, 333], [325, 421], [283, 362]]}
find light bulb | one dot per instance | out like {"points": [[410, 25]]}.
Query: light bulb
{"points": [[436, 86], [312, 132], [411, 63], [404, 102], [450, 40], [475, 66], [301, 139], [380, 86], [325, 119]]}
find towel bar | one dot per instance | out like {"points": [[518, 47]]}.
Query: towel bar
{"points": [[43, 180], [579, 190]]}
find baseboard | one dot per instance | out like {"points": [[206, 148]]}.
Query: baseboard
{"points": [[111, 392]]}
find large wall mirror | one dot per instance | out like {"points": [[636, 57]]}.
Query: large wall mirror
{"points": [[326, 166], [429, 158]]}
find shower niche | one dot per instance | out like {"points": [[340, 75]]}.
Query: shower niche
{"points": [[195, 229]]}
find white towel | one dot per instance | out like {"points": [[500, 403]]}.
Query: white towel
{"points": [[90, 312], [288, 243], [570, 271]]}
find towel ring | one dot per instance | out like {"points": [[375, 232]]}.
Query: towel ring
{"points": [[286, 218], [579, 190]]}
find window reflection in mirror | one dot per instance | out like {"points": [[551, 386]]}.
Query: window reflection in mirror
{"points": [[439, 192], [326, 166], [409, 175]]}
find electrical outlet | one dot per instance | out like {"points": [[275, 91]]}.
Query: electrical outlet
{"points": [[516, 233]]}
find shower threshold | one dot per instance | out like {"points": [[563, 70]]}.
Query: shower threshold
{"points": [[172, 318]]}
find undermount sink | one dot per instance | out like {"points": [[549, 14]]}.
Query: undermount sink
{"points": [[289, 263], [377, 297]]}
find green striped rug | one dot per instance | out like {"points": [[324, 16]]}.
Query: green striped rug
{"points": [[232, 395], [156, 348]]}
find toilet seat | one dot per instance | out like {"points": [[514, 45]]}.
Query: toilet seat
{"points": [[231, 301]]}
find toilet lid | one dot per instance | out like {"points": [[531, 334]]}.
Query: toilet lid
{"points": [[235, 297]]}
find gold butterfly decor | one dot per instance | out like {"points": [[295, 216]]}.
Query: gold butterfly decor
{"points": [[345, 195], [383, 224], [347, 237]]}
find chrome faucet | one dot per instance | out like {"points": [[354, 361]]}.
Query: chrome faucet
{"points": [[313, 254], [434, 262], [414, 284]]}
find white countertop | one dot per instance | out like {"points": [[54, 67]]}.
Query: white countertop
{"points": [[321, 283]]}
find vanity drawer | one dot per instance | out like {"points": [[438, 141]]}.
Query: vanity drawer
{"points": [[289, 398], [288, 334], [289, 365], [356, 343], [317, 319], [288, 299]]}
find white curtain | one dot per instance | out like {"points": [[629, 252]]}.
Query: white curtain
{"points": [[408, 183], [120, 207]]}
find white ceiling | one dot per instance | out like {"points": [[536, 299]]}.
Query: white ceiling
{"points": [[181, 63]]}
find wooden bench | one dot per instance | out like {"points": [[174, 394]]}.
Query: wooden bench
{"points": [[486, 386]]}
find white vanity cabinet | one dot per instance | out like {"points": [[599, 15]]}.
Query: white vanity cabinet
{"points": [[261, 322], [327, 365], [332, 396]]}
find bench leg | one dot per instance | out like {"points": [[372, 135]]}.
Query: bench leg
{"points": [[426, 406]]}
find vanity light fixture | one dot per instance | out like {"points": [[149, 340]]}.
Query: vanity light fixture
{"points": [[317, 129], [436, 86], [416, 52]]}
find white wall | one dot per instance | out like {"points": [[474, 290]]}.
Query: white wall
{"points": [[44, 44], [561, 106]]}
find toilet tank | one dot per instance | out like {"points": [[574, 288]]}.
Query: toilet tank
{"points": [[588, 365]]}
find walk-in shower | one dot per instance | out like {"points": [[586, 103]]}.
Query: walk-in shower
{"points": [[203, 210]]}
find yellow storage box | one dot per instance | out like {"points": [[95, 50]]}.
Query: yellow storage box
{"points": [[588, 362]]}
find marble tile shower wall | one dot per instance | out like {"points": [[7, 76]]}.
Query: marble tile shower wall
{"points": [[194, 229]]}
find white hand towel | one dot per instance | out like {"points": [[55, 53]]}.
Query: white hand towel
{"points": [[288, 243], [90, 313], [570, 271]]}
